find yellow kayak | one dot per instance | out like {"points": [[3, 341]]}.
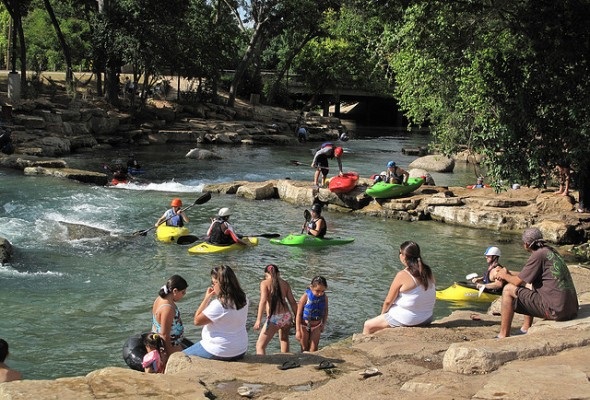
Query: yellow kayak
{"points": [[458, 292], [170, 234], [209, 248]]}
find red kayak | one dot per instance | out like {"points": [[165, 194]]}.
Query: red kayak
{"points": [[344, 183]]}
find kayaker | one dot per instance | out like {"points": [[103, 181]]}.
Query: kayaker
{"points": [[221, 232], [543, 288], [316, 226], [174, 216], [395, 174], [275, 298], [320, 162], [312, 314], [412, 294], [488, 280]]}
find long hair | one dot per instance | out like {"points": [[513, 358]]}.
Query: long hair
{"points": [[174, 282], [416, 266], [276, 294], [231, 294]]}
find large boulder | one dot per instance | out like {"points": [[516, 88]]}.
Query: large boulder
{"points": [[201, 154], [6, 250], [257, 191], [436, 163]]}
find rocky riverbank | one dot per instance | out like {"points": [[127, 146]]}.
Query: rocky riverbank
{"points": [[456, 357]]}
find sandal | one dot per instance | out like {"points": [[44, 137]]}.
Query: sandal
{"points": [[325, 365], [288, 365]]}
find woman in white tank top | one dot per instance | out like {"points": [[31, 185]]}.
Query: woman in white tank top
{"points": [[412, 294]]}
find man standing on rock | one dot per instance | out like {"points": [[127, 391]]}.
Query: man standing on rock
{"points": [[544, 288]]}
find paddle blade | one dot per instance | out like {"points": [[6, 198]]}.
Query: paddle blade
{"points": [[267, 235], [471, 276], [307, 215], [205, 197], [187, 239]]}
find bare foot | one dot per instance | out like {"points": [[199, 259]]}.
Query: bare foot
{"points": [[565, 194]]}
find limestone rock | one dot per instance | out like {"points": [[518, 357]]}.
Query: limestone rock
{"points": [[437, 163], [257, 191], [69, 173], [202, 154]]}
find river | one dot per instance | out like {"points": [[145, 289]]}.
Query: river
{"points": [[69, 305]]}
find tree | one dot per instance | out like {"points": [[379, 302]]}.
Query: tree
{"points": [[17, 10], [509, 79], [64, 45]]}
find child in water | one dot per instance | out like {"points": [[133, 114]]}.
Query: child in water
{"points": [[153, 361], [312, 314]]}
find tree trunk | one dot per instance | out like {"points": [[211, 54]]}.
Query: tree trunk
{"points": [[64, 46], [243, 64], [23, 56]]}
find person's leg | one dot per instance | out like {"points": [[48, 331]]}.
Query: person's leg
{"points": [[304, 339], [507, 309], [284, 338], [375, 324], [266, 334], [316, 177], [198, 350], [528, 321], [324, 175], [316, 332]]}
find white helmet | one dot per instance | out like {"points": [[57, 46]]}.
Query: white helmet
{"points": [[493, 251], [224, 212]]}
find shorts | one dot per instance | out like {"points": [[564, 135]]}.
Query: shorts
{"points": [[280, 320], [395, 323], [529, 302], [198, 350]]}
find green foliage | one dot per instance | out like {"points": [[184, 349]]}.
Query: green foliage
{"points": [[510, 80]]}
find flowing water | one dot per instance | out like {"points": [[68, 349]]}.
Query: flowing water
{"points": [[68, 306]]}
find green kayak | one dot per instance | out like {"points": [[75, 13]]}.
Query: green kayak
{"points": [[305, 240], [382, 190]]}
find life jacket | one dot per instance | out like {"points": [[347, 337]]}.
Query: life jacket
{"points": [[315, 306], [322, 233], [217, 235], [174, 219]]}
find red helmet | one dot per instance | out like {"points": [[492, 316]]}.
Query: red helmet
{"points": [[338, 152], [176, 203]]}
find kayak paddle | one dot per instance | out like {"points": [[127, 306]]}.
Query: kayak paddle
{"points": [[186, 239], [471, 276], [205, 197], [264, 235], [307, 216]]}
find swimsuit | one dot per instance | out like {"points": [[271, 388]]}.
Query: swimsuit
{"points": [[153, 358], [280, 320], [177, 329], [312, 225]]}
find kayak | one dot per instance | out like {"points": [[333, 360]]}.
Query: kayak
{"points": [[170, 234], [462, 291], [382, 190], [344, 183], [305, 240], [135, 171], [209, 248], [115, 182]]}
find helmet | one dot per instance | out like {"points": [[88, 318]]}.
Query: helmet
{"points": [[493, 251], [224, 212], [390, 164], [316, 207], [176, 203], [338, 152], [344, 137]]}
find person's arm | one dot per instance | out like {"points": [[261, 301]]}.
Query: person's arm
{"points": [[229, 230], [261, 304], [183, 216], [166, 319], [319, 225], [509, 277], [325, 316], [291, 299], [394, 290], [339, 161], [299, 316], [200, 318], [406, 176]]}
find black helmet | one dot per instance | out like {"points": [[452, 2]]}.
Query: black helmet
{"points": [[316, 207]]}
